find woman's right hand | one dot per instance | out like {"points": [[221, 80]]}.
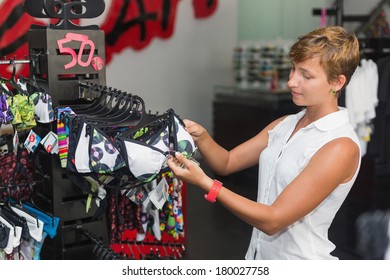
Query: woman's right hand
{"points": [[194, 129], [189, 171]]}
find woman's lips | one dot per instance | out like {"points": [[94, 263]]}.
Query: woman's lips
{"points": [[294, 93]]}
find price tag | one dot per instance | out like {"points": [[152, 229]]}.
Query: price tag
{"points": [[159, 195]]}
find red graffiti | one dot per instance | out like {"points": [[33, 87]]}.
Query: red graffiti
{"points": [[137, 23], [128, 24], [15, 24], [204, 8]]}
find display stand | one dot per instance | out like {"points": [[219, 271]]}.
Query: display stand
{"points": [[49, 66], [68, 61], [60, 60]]}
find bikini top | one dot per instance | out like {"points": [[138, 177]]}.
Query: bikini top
{"points": [[90, 149], [142, 151], [146, 149]]}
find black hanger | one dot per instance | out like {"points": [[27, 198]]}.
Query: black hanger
{"points": [[19, 205], [5, 89], [32, 204], [127, 115], [104, 104], [112, 107], [6, 217], [85, 105], [99, 102], [148, 119], [31, 84], [16, 219], [4, 235], [102, 251], [122, 111], [12, 81]]}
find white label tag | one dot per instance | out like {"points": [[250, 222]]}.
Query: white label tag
{"points": [[159, 195], [32, 141], [15, 141], [50, 142]]}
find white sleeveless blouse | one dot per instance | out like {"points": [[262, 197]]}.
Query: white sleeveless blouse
{"points": [[279, 164]]}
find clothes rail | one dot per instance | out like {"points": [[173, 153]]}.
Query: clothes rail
{"points": [[90, 89], [149, 250], [100, 250], [87, 87], [375, 48], [373, 234], [16, 61]]}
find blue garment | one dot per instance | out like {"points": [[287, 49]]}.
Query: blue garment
{"points": [[50, 223]]}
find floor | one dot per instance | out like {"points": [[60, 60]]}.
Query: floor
{"points": [[212, 232]]}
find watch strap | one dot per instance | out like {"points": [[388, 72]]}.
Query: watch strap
{"points": [[214, 191]]}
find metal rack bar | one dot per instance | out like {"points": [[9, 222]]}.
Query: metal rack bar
{"points": [[17, 61]]}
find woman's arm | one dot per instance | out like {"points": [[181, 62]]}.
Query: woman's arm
{"points": [[332, 165], [222, 161]]}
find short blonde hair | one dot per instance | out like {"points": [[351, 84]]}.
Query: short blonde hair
{"points": [[337, 50]]}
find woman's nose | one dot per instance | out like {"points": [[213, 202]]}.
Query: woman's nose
{"points": [[292, 81]]}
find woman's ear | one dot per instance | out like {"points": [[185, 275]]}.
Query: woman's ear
{"points": [[339, 83]]}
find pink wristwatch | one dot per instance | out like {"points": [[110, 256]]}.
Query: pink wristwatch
{"points": [[214, 191]]}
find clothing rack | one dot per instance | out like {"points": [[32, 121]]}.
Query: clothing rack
{"points": [[141, 250], [60, 196], [373, 15], [61, 82], [375, 48], [374, 234], [149, 248], [340, 18], [16, 61], [370, 191], [88, 90], [100, 249], [93, 90]]}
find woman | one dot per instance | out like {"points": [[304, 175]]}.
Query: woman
{"points": [[308, 162]]}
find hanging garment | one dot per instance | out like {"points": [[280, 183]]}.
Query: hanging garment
{"points": [[145, 150], [149, 217], [373, 235], [361, 99], [18, 221], [6, 115], [14, 235], [379, 145], [18, 181], [43, 107], [4, 235], [35, 226], [94, 152], [23, 110], [63, 115], [50, 223], [42, 101]]}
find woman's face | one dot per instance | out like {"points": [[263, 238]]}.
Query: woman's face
{"points": [[309, 83]]}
